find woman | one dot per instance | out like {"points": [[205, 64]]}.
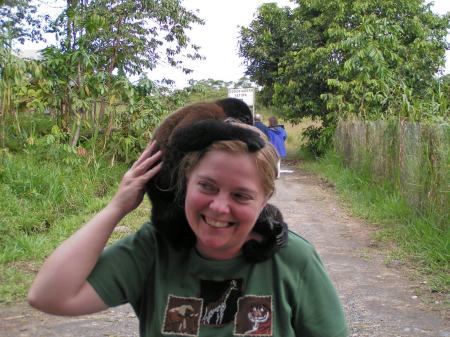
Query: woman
{"points": [[205, 290], [277, 136]]}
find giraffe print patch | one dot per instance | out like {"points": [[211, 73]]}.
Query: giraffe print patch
{"points": [[182, 316], [254, 316], [219, 301]]}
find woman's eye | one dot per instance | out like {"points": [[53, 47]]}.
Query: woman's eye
{"points": [[242, 197], [206, 186]]}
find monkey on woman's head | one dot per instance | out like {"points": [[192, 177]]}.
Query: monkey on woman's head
{"points": [[191, 128]]}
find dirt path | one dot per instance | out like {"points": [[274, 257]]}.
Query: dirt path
{"points": [[379, 300]]}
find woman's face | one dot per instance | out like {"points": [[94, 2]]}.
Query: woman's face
{"points": [[223, 200]]}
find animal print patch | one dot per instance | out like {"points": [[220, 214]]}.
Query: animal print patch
{"points": [[254, 316], [182, 316], [220, 301]]}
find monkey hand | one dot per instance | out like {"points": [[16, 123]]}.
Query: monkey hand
{"points": [[273, 232]]}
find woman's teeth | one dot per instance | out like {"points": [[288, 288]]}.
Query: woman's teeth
{"points": [[217, 224]]}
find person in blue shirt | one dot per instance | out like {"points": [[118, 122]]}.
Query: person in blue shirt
{"points": [[277, 136], [260, 125]]}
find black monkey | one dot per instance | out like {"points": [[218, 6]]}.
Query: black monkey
{"points": [[191, 128]]}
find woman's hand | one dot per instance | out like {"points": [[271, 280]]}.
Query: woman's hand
{"points": [[61, 286], [132, 187]]}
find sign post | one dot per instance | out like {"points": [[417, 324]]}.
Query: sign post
{"points": [[245, 94]]}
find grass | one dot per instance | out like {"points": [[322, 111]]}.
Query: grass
{"points": [[294, 140], [44, 198], [418, 237]]}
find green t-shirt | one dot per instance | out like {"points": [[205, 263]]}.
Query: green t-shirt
{"points": [[180, 293]]}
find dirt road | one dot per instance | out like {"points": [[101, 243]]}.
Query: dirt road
{"points": [[380, 299]]}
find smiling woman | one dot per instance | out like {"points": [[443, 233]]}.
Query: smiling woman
{"points": [[225, 195], [208, 288]]}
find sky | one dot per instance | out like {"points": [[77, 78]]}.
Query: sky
{"points": [[218, 39]]}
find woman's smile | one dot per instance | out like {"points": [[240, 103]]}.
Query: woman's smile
{"points": [[216, 223]]}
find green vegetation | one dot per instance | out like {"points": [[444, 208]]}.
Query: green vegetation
{"points": [[418, 238], [83, 82], [48, 190], [339, 59], [413, 157]]}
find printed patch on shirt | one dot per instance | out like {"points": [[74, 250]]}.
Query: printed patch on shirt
{"points": [[182, 316], [220, 301], [254, 316]]}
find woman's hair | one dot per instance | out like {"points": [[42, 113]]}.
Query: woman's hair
{"points": [[265, 159]]}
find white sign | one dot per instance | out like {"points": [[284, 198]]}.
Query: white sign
{"points": [[245, 94]]}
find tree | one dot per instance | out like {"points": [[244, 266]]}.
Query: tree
{"points": [[104, 41], [342, 56], [128, 36], [329, 59], [263, 45], [391, 52]]}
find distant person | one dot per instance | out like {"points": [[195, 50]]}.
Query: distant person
{"points": [[260, 125], [277, 136]]}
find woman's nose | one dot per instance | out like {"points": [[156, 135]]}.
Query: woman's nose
{"points": [[220, 204]]}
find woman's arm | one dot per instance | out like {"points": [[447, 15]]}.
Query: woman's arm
{"points": [[60, 286]]}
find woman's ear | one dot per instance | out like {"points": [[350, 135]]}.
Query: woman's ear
{"points": [[266, 200], [263, 208]]}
